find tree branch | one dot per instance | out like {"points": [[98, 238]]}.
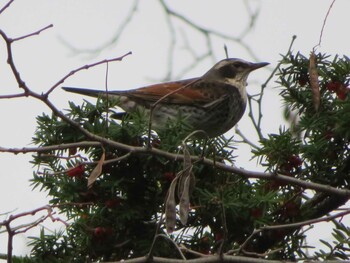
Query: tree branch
{"points": [[32, 34], [105, 61], [6, 6], [177, 157], [213, 259]]}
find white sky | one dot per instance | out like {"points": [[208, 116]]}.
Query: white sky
{"points": [[87, 24]]}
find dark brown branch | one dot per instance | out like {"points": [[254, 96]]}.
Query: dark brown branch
{"points": [[13, 231], [307, 222], [32, 34], [207, 259], [291, 226], [10, 61], [13, 96], [257, 121], [6, 6], [206, 31], [49, 148], [85, 68], [172, 156], [324, 22]]}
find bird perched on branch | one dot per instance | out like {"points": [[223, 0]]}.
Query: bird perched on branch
{"points": [[213, 103]]}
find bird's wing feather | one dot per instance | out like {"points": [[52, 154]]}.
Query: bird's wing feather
{"points": [[183, 92], [178, 93]]}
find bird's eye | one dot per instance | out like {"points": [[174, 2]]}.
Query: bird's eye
{"points": [[228, 71]]}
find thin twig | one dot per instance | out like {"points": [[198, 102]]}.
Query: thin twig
{"points": [[32, 34], [11, 63], [307, 222], [324, 22], [85, 68], [6, 6], [172, 156], [172, 242], [44, 149], [292, 225], [257, 123], [107, 96], [160, 222], [224, 224], [245, 139], [25, 227], [13, 96]]}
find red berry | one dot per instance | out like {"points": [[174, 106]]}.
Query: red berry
{"points": [[77, 171], [99, 232], [333, 85], [169, 176], [112, 203], [303, 80], [295, 161], [341, 93]]}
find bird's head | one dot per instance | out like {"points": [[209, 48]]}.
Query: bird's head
{"points": [[233, 70]]}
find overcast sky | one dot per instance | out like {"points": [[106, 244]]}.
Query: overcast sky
{"points": [[87, 25]]}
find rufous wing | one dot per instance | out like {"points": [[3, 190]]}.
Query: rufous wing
{"points": [[178, 92]]}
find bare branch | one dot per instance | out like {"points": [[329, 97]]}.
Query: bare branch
{"points": [[6, 6], [208, 32], [290, 225], [324, 22], [170, 241], [244, 138], [257, 121], [25, 227], [32, 34], [45, 149], [307, 222], [222, 166], [207, 259], [12, 96], [85, 68], [10, 61]]}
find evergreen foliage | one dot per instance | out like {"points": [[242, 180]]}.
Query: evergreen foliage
{"points": [[117, 217]]}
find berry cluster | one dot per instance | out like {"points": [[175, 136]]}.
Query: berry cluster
{"points": [[338, 88]]}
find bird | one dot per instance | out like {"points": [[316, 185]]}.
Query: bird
{"points": [[213, 103]]}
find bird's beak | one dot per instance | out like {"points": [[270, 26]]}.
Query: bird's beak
{"points": [[255, 66]]}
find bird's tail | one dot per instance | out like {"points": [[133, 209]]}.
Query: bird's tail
{"points": [[87, 92]]}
